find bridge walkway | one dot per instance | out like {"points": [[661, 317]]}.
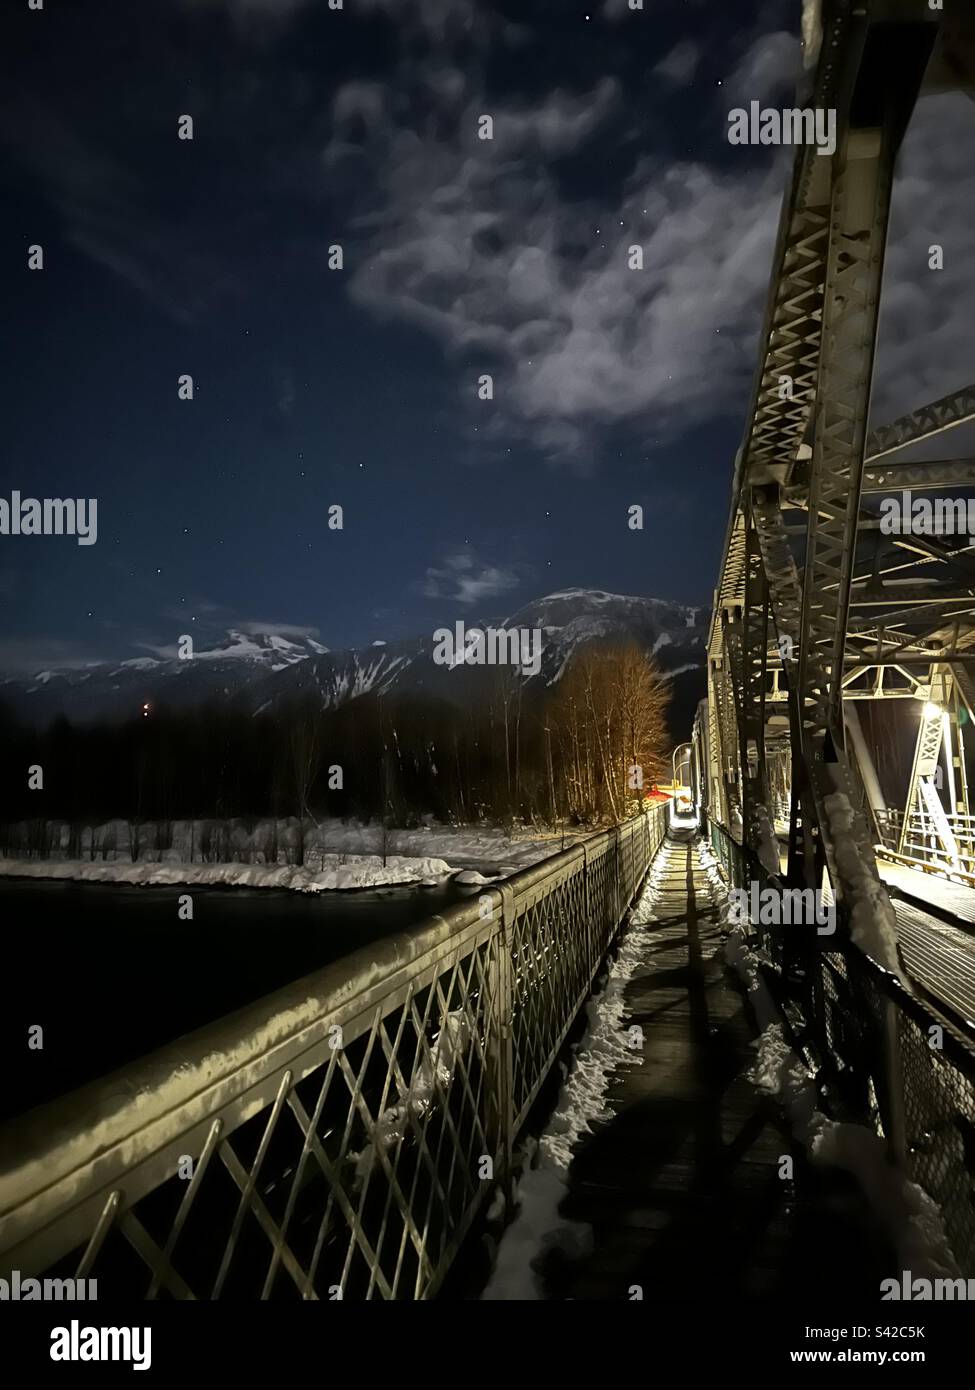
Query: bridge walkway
{"points": [[936, 929], [680, 1183]]}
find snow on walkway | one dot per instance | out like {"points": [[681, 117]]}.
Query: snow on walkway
{"points": [[912, 1220], [582, 1101]]}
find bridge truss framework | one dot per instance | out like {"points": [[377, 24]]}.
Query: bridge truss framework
{"points": [[818, 610]]}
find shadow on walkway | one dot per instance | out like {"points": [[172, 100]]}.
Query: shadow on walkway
{"points": [[681, 1185]]}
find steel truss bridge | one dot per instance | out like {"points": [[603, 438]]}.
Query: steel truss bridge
{"points": [[828, 629], [344, 1136]]}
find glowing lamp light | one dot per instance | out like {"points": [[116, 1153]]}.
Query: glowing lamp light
{"points": [[145, 710], [931, 710]]}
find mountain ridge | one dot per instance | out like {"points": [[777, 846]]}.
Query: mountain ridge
{"points": [[266, 669]]}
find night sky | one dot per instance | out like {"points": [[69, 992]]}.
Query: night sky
{"points": [[359, 387]]}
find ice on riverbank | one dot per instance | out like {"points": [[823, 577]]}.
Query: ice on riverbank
{"points": [[329, 872]]}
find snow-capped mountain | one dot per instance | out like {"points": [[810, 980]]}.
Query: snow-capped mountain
{"points": [[263, 671], [335, 677], [673, 633], [119, 691]]}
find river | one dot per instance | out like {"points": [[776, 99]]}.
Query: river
{"points": [[110, 972]]}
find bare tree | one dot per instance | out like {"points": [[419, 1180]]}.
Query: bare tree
{"points": [[304, 743], [609, 715]]}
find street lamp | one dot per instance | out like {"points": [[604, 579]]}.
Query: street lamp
{"points": [[675, 763]]}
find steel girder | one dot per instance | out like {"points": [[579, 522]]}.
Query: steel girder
{"points": [[822, 769], [724, 705], [922, 595], [961, 701], [718, 769], [894, 554], [927, 750], [788, 380], [745, 640], [851, 303], [754, 665], [778, 420], [731, 622], [965, 682], [951, 631], [785, 601], [814, 379], [916, 477], [954, 409]]}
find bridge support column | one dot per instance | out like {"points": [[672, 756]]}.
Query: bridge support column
{"points": [[865, 764]]}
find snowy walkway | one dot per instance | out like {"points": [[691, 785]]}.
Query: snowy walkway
{"points": [[955, 900], [676, 1189], [936, 931]]}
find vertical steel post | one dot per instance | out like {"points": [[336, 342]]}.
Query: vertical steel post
{"points": [[506, 1072]]}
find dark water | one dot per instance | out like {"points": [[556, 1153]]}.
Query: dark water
{"points": [[110, 972]]}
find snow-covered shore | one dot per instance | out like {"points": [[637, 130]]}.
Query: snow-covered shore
{"points": [[332, 872], [337, 855]]}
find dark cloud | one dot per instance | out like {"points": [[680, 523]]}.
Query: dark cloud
{"points": [[462, 578]]}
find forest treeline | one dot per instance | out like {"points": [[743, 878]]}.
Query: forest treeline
{"points": [[583, 753]]}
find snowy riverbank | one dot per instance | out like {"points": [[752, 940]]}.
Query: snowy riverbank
{"points": [[337, 855], [333, 872]]}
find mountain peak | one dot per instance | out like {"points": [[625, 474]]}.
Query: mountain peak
{"points": [[256, 645], [265, 667]]}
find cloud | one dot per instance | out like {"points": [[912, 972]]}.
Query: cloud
{"points": [[441, 20], [769, 67], [478, 244], [272, 9], [106, 213], [195, 605], [257, 20], [615, 10], [273, 629], [285, 393], [164, 651], [31, 655], [462, 578], [925, 339], [219, 619], [475, 243], [680, 64]]}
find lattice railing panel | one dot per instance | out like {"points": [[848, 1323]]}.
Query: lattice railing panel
{"points": [[342, 1135]]}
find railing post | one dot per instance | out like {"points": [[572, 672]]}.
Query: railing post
{"points": [[895, 1121], [585, 891], [616, 877], [506, 1073]]}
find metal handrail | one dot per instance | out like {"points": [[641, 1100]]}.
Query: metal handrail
{"points": [[405, 1124]]}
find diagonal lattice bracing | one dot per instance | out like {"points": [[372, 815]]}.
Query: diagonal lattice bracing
{"points": [[343, 1140]]}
